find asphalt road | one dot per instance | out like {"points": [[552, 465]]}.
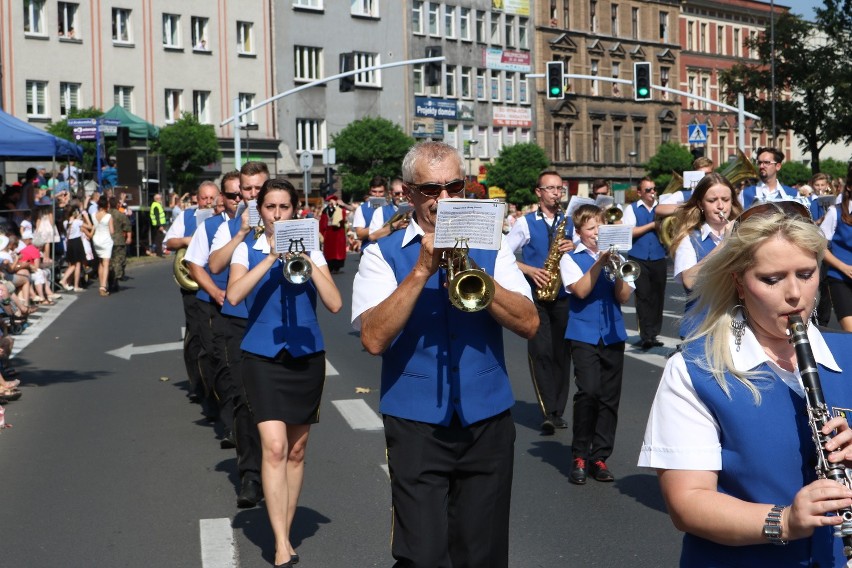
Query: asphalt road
{"points": [[109, 465]]}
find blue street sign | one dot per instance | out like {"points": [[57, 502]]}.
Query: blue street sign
{"points": [[697, 134]]}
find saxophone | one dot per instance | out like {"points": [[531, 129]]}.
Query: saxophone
{"points": [[549, 291]]}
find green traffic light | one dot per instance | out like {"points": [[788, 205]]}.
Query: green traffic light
{"points": [[555, 90], [643, 92]]}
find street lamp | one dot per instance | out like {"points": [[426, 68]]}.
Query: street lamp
{"points": [[470, 145], [248, 127], [632, 154]]}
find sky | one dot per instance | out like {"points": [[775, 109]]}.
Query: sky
{"points": [[804, 8]]}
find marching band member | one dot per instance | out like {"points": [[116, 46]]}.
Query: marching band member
{"points": [[837, 228], [283, 367], [769, 188], [728, 431], [378, 227], [669, 202], [597, 334], [363, 215], [702, 223]]}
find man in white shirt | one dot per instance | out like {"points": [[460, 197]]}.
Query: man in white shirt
{"points": [[768, 188]]}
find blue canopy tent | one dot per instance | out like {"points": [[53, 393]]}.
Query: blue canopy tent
{"points": [[20, 141]]}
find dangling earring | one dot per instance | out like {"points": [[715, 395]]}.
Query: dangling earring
{"points": [[814, 313], [738, 326]]}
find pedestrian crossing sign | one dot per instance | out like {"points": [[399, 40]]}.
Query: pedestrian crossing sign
{"points": [[697, 134]]}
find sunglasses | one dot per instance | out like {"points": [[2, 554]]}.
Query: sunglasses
{"points": [[434, 189], [790, 209], [232, 196]]}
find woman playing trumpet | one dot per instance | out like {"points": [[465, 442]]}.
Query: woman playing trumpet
{"points": [[701, 225], [283, 364]]}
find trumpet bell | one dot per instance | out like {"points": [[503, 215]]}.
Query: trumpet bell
{"points": [[181, 272], [471, 290], [297, 269], [629, 271], [613, 215]]}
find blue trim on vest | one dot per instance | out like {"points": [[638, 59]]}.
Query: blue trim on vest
{"points": [[841, 244], [597, 317], [648, 246], [691, 320], [190, 223], [211, 225], [368, 212], [240, 310], [534, 253], [750, 193], [686, 193], [281, 315], [444, 361], [767, 456]]}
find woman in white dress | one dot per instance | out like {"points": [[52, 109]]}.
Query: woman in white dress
{"points": [[102, 240]]}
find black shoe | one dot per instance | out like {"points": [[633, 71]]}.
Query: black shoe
{"points": [[601, 472], [559, 422], [228, 442], [294, 559], [288, 564], [548, 426], [647, 345], [578, 473], [657, 343], [250, 493]]}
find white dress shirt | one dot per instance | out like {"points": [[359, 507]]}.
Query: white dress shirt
{"points": [[829, 222], [571, 272], [629, 217], [685, 256], [198, 251]]}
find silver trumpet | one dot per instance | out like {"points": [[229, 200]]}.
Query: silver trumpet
{"points": [[722, 217], [621, 269], [297, 268], [471, 288]]}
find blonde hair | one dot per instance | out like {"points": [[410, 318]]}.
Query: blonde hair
{"points": [[690, 217], [716, 292]]}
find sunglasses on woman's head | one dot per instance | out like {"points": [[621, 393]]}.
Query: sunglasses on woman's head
{"points": [[434, 189], [790, 209]]}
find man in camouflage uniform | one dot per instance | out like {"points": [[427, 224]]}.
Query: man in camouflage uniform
{"points": [[120, 239]]}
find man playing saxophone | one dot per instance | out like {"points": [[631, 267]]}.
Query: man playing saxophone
{"points": [[539, 238]]}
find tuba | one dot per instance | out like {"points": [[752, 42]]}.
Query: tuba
{"points": [[181, 272], [550, 291], [297, 268], [668, 226], [613, 215], [739, 170], [471, 288]]}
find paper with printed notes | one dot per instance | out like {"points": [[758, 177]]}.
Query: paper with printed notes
{"points": [[619, 235], [296, 235], [478, 221]]}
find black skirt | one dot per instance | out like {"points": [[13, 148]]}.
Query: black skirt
{"points": [[841, 297], [76, 252], [285, 388]]}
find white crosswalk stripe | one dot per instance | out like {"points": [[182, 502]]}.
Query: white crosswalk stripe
{"points": [[217, 543], [358, 414]]}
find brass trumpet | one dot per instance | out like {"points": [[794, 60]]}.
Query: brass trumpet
{"points": [[617, 267], [297, 268], [471, 288], [613, 215]]}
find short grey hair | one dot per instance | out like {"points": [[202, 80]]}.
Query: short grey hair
{"points": [[431, 153]]}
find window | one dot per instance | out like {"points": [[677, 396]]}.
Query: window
{"points": [[720, 39], [419, 87], [523, 33], [69, 97], [199, 34], [34, 17], [123, 97], [171, 30], [524, 137], [450, 81], [511, 137], [417, 17], [523, 91], [665, 135], [723, 147], [637, 142], [480, 84], [366, 8], [494, 36], [509, 30], [68, 20], [480, 26], [450, 22], [634, 23], [200, 106], [702, 38], [367, 78], [307, 65], [594, 72], [464, 24], [690, 35], [509, 88], [37, 98], [593, 15], [737, 50], [121, 26], [451, 135], [616, 71], [752, 37], [596, 143], [246, 101], [482, 141], [613, 20], [664, 27], [434, 24], [245, 37], [705, 90], [616, 144], [310, 135], [173, 104], [562, 142], [313, 4], [495, 85], [466, 83], [496, 139]]}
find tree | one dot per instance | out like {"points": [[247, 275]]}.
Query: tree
{"points": [[792, 173], [369, 147], [670, 157], [188, 145], [516, 170], [834, 168], [61, 129], [806, 76]]}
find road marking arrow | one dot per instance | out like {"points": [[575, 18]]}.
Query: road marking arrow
{"points": [[129, 350]]}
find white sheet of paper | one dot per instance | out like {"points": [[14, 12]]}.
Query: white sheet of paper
{"points": [[577, 201], [376, 202], [478, 220], [254, 214], [202, 215], [691, 179], [604, 202], [287, 232], [619, 235], [405, 208]]}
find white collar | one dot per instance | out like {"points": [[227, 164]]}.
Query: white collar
{"points": [[580, 247], [707, 231], [642, 203], [262, 244], [751, 353], [412, 231]]}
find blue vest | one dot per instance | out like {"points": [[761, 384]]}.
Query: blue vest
{"points": [[750, 193], [534, 253], [686, 193], [444, 361], [190, 223], [646, 247], [841, 244], [281, 315], [691, 320], [767, 457], [597, 316], [368, 217], [817, 210], [220, 280], [240, 310]]}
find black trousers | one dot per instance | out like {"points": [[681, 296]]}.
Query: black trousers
{"points": [[550, 357], [194, 314], [451, 488], [650, 296], [244, 428], [824, 306], [598, 370], [213, 363], [157, 240]]}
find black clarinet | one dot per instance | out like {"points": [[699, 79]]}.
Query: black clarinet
{"points": [[818, 415]]}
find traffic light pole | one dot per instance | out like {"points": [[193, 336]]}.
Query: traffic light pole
{"points": [[739, 109], [240, 113]]}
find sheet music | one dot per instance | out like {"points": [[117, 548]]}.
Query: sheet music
{"points": [[691, 178], [405, 208], [377, 202], [577, 201], [254, 214], [619, 235], [478, 220], [202, 215], [293, 230], [604, 202]]}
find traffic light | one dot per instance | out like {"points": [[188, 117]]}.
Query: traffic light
{"points": [[347, 63], [642, 81], [555, 80], [327, 186], [433, 70]]}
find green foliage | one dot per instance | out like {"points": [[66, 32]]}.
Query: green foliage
{"points": [[792, 173], [834, 168], [369, 147], [61, 129], [188, 145], [670, 157], [516, 170]]}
